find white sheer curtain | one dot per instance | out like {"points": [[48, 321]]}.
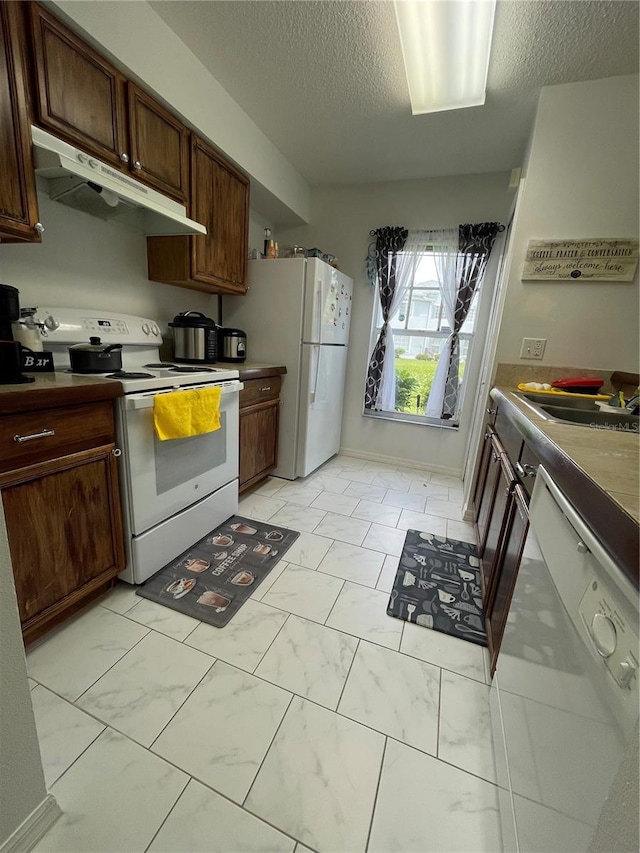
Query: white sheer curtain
{"points": [[444, 245], [406, 265]]}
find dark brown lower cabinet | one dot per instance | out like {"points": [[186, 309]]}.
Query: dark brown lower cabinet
{"points": [[492, 553], [502, 518], [62, 511], [259, 420], [486, 491], [509, 557]]}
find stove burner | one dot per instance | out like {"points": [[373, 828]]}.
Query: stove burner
{"points": [[186, 369], [159, 364], [125, 374]]}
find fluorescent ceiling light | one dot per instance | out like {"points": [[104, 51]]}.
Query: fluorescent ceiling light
{"points": [[446, 46]]}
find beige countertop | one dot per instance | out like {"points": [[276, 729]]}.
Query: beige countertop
{"points": [[611, 458], [596, 469]]}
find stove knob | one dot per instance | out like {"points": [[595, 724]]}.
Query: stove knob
{"points": [[155, 330], [145, 328], [604, 635], [51, 323], [82, 158], [94, 164]]}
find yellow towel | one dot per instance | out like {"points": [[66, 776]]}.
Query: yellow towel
{"points": [[181, 414]]}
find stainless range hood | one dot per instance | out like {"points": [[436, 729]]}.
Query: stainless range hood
{"points": [[81, 181]]}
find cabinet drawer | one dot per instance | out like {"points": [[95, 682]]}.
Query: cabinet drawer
{"points": [[259, 391], [56, 432]]}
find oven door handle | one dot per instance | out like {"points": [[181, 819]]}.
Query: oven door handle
{"points": [[145, 401]]}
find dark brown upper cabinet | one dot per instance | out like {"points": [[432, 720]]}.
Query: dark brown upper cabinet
{"points": [[85, 100], [159, 145], [217, 262], [18, 197], [79, 95]]}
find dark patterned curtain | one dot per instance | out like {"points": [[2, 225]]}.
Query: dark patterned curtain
{"points": [[474, 248], [389, 241]]}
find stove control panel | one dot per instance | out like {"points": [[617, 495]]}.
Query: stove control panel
{"points": [[104, 326], [67, 326]]}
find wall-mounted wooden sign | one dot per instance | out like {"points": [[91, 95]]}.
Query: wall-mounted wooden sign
{"points": [[576, 260]]}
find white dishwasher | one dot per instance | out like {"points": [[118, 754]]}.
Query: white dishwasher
{"points": [[564, 700]]}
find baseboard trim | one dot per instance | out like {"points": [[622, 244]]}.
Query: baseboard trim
{"points": [[33, 827], [400, 462]]}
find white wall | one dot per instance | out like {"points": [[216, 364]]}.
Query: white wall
{"points": [[141, 43], [581, 182], [22, 787], [341, 218], [84, 261]]}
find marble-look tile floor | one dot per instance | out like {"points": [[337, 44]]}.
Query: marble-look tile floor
{"points": [[313, 721]]}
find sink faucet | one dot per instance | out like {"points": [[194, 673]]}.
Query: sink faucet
{"points": [[633, 405]]}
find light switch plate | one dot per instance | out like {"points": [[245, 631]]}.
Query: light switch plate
{"points": [[533, 348]]}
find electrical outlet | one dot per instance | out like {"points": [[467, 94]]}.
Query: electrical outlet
{"points": [[533, 347]]}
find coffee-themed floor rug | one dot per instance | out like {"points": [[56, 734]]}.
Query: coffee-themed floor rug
{"points": [[437, 585], [213, 579]]}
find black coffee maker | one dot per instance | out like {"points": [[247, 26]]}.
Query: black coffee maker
{"points": [[10, 350]]}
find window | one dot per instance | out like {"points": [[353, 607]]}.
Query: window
{"points": [[420, 330]]}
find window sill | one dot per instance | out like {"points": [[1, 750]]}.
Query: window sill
{"points": [[417, 420]]}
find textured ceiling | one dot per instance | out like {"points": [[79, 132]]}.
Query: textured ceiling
{"points": [[324, 79]]}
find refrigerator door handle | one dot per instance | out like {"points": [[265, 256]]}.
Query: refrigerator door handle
{"points": [[314, 388], [319, 311]]}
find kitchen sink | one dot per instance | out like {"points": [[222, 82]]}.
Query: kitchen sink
{"points": [[603, 420], [585, 404], [581, 413]]}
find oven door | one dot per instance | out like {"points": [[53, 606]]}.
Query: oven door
{"points": [[162, 478]]}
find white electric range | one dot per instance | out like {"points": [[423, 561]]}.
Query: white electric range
{"points": [[173, 492]]}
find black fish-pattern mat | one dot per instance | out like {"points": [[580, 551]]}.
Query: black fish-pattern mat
{"points": [[213, 579], [437, 585]]}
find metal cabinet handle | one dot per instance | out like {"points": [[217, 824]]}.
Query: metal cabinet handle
{"points": [[137, 165], [116, 451], [525, 470], [491, 411], [39, 227], [124, 157], [44, 434], [266, 388]]}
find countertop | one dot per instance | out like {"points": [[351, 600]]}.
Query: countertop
{"points": [[597, 469], [256, 370], [55, 389]]}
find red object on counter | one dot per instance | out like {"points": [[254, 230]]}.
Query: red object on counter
{"points": [[579, 384]]}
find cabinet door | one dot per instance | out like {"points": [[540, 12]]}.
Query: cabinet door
{"points": [[159, 145], [504, 483], [18, 199], [220, 200], [64, 531], [481, 477], [80, 96], [258, 443], [487, 486], [497, 610]]}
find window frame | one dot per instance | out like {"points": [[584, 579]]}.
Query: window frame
{"points": [[376, 325]]}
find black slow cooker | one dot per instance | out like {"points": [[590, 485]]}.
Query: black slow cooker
{"points": [[195, 338], [232, 345]]}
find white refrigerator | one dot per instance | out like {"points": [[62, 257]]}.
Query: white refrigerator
{"points": [[297, 312]]}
